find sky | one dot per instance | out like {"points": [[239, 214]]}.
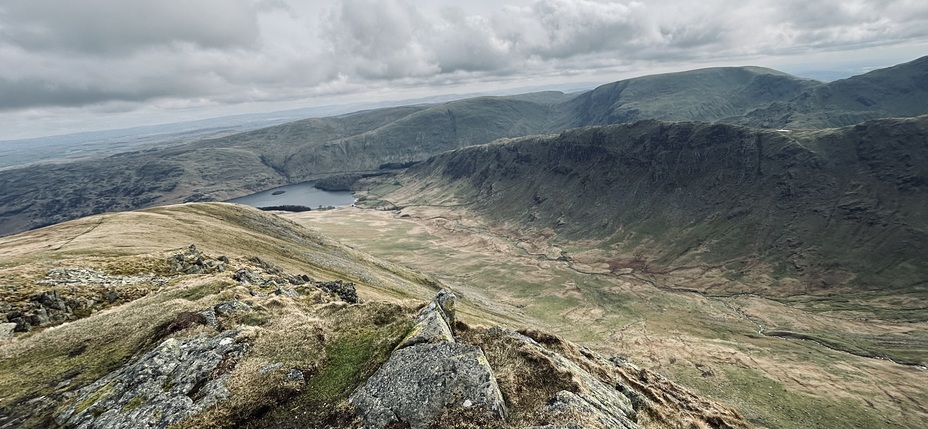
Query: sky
{"points": [[79, 65]]}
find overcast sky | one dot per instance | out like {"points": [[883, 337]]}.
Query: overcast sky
{"points": [[74, 65]]}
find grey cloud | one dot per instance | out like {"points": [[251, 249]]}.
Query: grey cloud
{"points": [[380, 39], [563, 29], [117, 27], [83, 52], [32, 93]]}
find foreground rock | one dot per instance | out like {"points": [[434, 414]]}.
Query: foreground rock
{"points": [[175, 380], [429, 375]]}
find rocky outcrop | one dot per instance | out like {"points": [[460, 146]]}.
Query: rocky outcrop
{"points": [[266, 275], [75, 293], [6, 330], [178, 378], [429, 375], [435, 378], [554, 382], [193, 261], [590, 401]]}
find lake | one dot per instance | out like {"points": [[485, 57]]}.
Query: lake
{"points": [[300, 194]]}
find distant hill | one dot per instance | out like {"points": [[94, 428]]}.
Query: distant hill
{"points": [[700, 95], [375, 140], [898, 91], [828, 208]]}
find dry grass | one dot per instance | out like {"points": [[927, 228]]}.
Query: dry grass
{"points": [[304, 333], [695, 339]]}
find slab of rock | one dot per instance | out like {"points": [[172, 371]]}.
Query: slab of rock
{"points": [[434, 323], [175, 380], [418, 383], [6, 330], [429, 374]]}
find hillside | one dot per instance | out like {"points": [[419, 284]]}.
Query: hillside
{"points": [[370, 142], [796, 212], [706, 95], [897, 91], [120, 322], [233, 166]]}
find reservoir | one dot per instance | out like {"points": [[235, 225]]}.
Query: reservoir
{"points": [[300, 194]]}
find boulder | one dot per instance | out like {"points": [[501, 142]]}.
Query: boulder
{"points": [[428, 375], [419, 383], [344, 290], [432, 328], [6, 330], [178, 378]]}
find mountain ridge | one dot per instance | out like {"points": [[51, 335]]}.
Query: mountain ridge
{"points": [[364, 142], [827, 207]]}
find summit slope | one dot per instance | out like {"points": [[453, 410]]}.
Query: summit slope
{"points": [[268, 324]]}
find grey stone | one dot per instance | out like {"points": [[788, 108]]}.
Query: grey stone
{"points": [[420, 382], [270, 368], [572, 404], [286, 291], [248, 277], [209, 315], [443, 303], [345, 290], [229, 307], [429, 328], [177, 379], [428, 374], [6, 330], [295, 375]]}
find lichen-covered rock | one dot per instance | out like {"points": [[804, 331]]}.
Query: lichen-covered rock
{"points": [[429, 374], [434, 322], [571, 406], [430, 329], [175, 380], [6, 330], [226, 308], [418, 383], [443, 303]]}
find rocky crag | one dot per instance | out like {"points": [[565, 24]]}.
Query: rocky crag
{"points": [[818, 210], [433, 378]]}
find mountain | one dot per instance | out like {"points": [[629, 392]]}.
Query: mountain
{"points": [[373, 141], [897, 91], [699, 95], [798, 211], [120, 322]]}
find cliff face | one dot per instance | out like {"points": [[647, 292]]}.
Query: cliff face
{"points": [[284, 328], [827, 208]]}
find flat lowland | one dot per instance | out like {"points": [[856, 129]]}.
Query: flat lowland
{"points": [[798, 361]]}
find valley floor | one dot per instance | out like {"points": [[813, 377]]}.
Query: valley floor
{"points": [[799, 362]]}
